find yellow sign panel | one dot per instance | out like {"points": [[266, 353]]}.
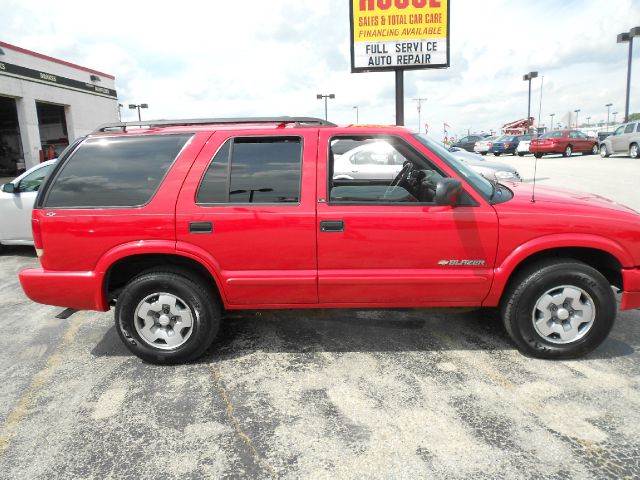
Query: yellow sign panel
{"points": [[399, 34]]}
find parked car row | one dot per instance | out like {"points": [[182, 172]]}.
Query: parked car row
{"points": [[565, 142]]}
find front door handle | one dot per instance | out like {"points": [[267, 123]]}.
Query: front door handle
{"points": [[331, 226], [200, 227]]}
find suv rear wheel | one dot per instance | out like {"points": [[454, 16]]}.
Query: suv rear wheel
{"points": [[559, 309], [166, 318], [634, 152]]}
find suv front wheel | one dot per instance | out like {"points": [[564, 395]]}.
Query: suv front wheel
{"points": [[166, 318], [559, 309]]}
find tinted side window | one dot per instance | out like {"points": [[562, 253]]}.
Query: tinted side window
{"points": [[629, 128], [263, 170], [638, 127], [115, 171]]}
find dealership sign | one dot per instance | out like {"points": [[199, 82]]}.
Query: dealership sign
{"points": [[399, 34]]}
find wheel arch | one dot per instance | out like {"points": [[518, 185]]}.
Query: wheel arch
{"points": [[126, 268], [604, 255]]}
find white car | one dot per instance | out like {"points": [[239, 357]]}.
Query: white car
{"points": [[482, 146], [523, 147], [16, 203]]}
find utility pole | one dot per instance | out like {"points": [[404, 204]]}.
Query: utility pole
{"points": [[357, 115], [419, 105]]}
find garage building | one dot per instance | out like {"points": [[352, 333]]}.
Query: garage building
{"points": [[45, 104]]}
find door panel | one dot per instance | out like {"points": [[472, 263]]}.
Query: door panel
{"points": [[265, 253], [403, 255]]}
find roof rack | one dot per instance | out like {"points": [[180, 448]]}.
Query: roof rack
{"points": [[299, 121]]}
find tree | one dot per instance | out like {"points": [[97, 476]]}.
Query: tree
{"points": [[634, 116]]}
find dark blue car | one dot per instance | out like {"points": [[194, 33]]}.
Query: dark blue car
{"points": [[505, 144]]}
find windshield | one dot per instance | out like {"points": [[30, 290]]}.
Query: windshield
{"points": [[552, 135], [475, 179]]}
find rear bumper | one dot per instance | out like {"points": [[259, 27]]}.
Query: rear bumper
{"points": [[545, 149], [78, 290], [631, 292]]}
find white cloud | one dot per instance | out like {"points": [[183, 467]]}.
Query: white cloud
{"points": [[190, 59]]}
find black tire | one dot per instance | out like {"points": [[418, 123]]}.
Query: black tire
{"points": [[523, 293], [595, 149], [634, 150], [483, 153], [496, 154], [521, 154], [604, 151], [537, 155], [202, 304], [568, 151]]}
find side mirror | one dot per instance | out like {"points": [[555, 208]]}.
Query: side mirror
{"points": [[9, 188], [448, 191]]}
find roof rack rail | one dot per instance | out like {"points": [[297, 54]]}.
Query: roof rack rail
{"points": [[299, 121]]}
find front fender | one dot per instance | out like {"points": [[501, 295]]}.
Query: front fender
{"points": [[503, 272]]}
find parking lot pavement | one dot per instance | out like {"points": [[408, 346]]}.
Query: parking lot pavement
{"points": [[615, 177], [327, 394]]}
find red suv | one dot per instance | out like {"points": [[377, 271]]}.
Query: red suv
{"points": [[565, 142], [174, 222]]}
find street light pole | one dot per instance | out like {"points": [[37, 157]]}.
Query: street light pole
{"points": [[608, 105], [623, 38], [528, 78], [577, 111], [357, 115], [419, 102], [551, 115], [614, 117], [588, 118], [326, 97], [133, 106]]}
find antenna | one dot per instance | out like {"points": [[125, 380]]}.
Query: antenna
{"points": [[535, 171]]}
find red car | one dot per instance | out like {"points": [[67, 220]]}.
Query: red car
{"points": [[566, 142], [174, 222]]}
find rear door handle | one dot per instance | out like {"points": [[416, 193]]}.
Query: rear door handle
{"points": [[200, 227], [331, 226]]}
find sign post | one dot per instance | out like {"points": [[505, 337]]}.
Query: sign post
{"points": [[399, 35]]}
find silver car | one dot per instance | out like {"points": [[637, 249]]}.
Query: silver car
{"points": [[625, 139], [494, 171], [16, 203], [483, 146], [379, 160]]}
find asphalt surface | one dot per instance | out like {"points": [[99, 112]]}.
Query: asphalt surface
{"points": [[326, 394]]}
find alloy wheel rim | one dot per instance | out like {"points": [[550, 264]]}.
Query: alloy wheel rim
{"points": [[634, 151], [163, 321], [564, 314]]}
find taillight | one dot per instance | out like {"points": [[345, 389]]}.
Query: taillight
{"points": [[507, 145], [37, 236], [489, 144]]}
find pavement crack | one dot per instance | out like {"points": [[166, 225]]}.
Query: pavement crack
{"points": [[230, 411]]}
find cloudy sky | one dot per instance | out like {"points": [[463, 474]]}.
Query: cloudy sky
{"points": [[253, 57]]}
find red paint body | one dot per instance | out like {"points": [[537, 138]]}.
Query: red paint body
{"points": [[275, 256], [558, 145]]}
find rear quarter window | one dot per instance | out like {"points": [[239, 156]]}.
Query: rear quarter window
{"points": [[115, 171]]}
